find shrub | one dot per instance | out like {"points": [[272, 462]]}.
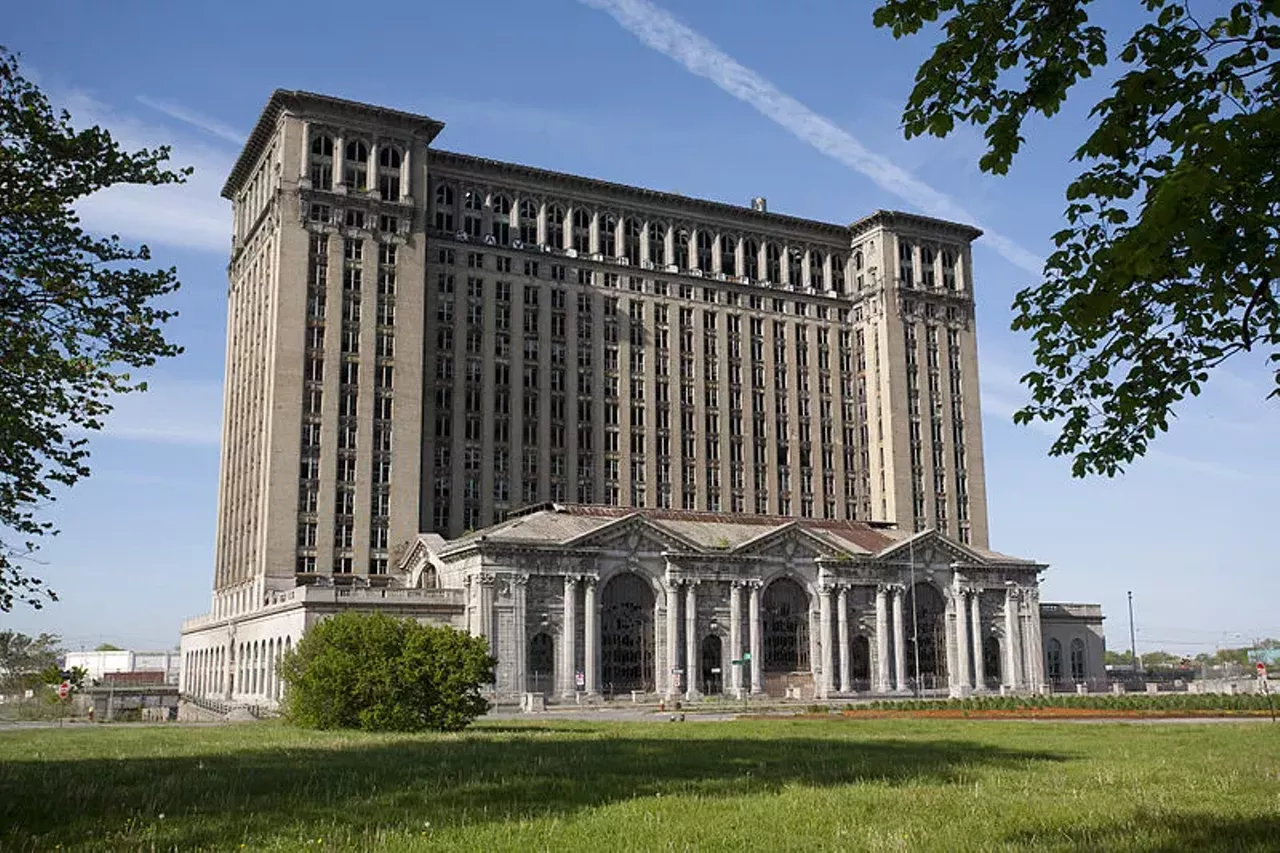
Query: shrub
{"points": [[374, 672]]}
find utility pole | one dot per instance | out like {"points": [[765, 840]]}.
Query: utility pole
{"points": [[1133, 642]]}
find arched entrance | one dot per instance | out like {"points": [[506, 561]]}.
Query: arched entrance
{"points": [[626, 635], [712, 674], [991, 661], [926, 628], [786, 627], [860, 664], [541, 664]]}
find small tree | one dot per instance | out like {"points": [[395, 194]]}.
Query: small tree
{"points": [[374, 672]]}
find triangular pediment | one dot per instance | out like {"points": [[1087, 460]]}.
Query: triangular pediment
{"points": [[790, 541], [929, 547], [633, 534]]}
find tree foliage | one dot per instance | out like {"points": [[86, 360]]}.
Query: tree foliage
{"points": [[1167, 265], [374, 672], [75, 313], [23, 657]]}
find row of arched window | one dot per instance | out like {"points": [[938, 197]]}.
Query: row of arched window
{"points": [[355, 166], [256, 664], [1054, 662], [495, 219]]}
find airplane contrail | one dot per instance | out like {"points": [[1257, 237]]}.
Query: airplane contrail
{"points": [[658, 29]]}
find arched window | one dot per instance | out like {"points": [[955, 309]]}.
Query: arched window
{"points": [[728, 255], [444, 207], [501, 228], [772, 263], [927, 638], [1053, 660], [712, 669], [389, 173], [751, 259], [541, 663], [949, 270], [786, 627], [837, 273], [795, 267], [860, 664], [322, 162], [581, 229], [355, 166], [631, 233], [817, 275], [703, 259], [626, 634], [658, 243], [682, 249], [858, 282], [609, 235], [907, 264], [926, 267], [991, 661], [555, 226], [529, 222], [1077, 660], [472, 204]]}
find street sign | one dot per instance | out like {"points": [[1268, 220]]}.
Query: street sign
{"points": [[746, 655], [1262, 670], [64, 690], [580, 680], [736, 662]]}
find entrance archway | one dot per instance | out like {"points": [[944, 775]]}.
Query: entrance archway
{"points": [[541, 664], [712, 674], [786, 627], [991, 661], [926, 607], [860, 664], [626, 635]]}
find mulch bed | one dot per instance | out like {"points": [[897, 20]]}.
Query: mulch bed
{"points": [[1031, 714]]}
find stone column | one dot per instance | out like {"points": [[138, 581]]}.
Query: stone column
{"points": [[824, 648], [371, 182], [406, 176], [673, 637], [568, 643], [520, 632], [735, 635], [590, 626], [1012, 652], [899, 641], [339, 160], [304, 167], [757, 640], [486, 611], [842, 620], [979, 673], [882, 640], [1035, 641], [962, 639], [691, 639]]}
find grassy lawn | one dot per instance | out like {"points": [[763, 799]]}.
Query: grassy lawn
{"points": [[747, 785]]}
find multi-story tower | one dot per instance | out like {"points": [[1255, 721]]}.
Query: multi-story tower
{"points": [[323, 398], [424, 340]]}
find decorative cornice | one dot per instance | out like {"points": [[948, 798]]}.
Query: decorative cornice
{"points": [[896, 219], [744, 217]]}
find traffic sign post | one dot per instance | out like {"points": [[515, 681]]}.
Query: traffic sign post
{"points": [[64, 690]]}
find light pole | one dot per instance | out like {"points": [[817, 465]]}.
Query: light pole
{"points": [[1133, 642]]}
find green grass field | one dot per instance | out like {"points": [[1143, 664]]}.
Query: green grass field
{"points": [[747, 785]]}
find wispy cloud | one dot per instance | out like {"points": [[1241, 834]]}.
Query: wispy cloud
{"points": [[659, 30], [170, 411], [195, 119], [189, 216]]}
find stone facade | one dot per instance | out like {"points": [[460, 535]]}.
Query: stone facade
{"points": [[421, 340]]}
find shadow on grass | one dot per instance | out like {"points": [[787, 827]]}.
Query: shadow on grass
{"points": [[490, 774], [1161, 833]]}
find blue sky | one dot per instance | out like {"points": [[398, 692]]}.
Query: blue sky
{"points": [[615, 89]]}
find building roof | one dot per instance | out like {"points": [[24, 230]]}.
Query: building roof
{"points": [[289, 100], [575, 525]]}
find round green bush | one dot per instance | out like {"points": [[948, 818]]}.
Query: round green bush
{"points": [[374, 672]]}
